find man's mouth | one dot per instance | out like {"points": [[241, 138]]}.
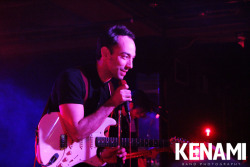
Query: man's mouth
{"points": [[123, 72]]}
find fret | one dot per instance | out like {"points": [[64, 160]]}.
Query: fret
{"points": [[127, 142], [116, 142], [145, 142], [123, 143], [142, 143], [150, 143], [156, 143], [138, 142], [107, 142], [112, 142], [134, 144]]}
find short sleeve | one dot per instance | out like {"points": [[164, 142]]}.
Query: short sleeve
{"points": [[70, 87]]}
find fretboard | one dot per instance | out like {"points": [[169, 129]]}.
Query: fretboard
{"points": [[113, 142]]}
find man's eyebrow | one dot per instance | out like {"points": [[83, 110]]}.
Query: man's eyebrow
{"points": [[128, 54], [125, 53]]}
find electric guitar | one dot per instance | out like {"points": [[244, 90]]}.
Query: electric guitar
{"points": [[55, 148]]}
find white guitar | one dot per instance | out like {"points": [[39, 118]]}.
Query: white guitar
{"points": [[55, 148]]}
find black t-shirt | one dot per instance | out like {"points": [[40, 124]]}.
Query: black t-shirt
{"points": [[70, 88]]}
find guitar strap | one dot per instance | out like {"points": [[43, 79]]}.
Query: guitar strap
{"points": [[85, 80]]}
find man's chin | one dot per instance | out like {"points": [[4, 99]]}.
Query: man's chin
{"points": [[121, 77]]}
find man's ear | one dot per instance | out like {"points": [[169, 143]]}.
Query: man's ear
{"points": [[105, 52]]}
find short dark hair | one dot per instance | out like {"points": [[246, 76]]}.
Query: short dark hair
{"points": [[110, 38]]}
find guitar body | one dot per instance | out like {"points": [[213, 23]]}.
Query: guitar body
{"points": [[51, 137]]}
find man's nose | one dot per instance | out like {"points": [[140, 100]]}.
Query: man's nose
{"points": [[130, 63]]}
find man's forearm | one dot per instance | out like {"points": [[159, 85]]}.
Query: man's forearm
{"points": [[91, 123]]}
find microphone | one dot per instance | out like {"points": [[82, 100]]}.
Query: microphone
{"points": [[125, 104], [127, 109]]}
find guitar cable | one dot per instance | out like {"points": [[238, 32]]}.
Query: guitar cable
{"points": [[35, 162], [35, 149]]}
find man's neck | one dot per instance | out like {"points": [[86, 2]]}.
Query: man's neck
{"points": [[102, 72]]}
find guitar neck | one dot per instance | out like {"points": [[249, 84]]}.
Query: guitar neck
{"points": [[113, 142]]}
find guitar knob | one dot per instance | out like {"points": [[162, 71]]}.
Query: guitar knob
{"points": [[69, 153], [65, 159], [60, 165]]}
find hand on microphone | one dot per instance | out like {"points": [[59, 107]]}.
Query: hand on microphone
{"points": [[126, 103], [121, 94]]}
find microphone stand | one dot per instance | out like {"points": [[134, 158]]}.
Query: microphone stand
{"points": [[128, 117], [119, 160], [130, 149]]}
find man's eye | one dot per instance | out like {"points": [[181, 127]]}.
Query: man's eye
{"points": [[125, 56]]}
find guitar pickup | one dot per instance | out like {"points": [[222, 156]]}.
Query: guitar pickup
{"points": [[63, 141]]}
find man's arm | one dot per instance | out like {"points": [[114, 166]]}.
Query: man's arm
{"points": [[80, 127]]}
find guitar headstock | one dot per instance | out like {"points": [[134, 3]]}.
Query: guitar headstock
{"points": [[175, 139]]}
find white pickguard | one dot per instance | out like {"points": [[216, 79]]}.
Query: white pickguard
{"points": [[50, 129]]}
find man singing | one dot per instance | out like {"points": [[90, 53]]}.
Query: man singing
{"points": [[84, 104]]}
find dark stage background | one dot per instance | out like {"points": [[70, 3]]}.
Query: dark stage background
{"points": [[199, 50]]}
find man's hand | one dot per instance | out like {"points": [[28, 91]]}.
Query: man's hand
{"points": [[121, 94], [110, 155]]}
